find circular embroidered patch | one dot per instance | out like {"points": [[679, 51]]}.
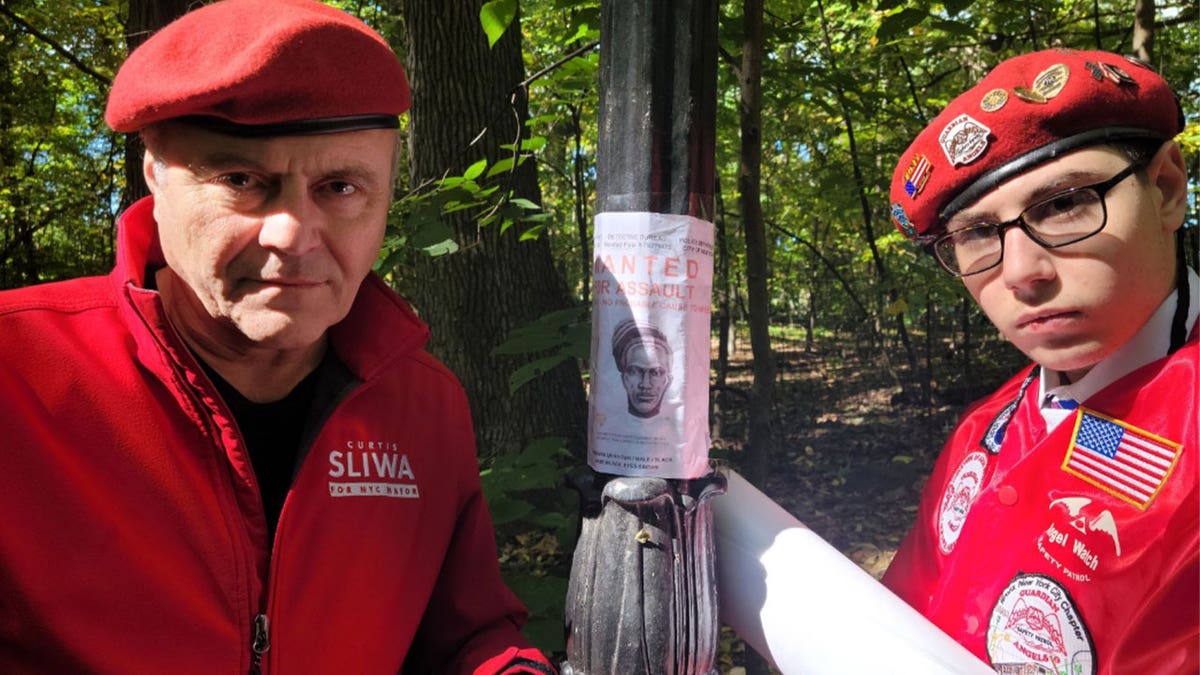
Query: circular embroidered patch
{"points": [[960, 494], [1035, 628]]}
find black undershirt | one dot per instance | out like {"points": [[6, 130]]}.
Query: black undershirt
{"points": [[272, 432]]}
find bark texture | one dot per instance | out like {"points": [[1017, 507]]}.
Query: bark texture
{"points": [[467, 102]]}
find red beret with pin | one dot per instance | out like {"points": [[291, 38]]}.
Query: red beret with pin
{"points": [[1025, 112], [262, 68]]}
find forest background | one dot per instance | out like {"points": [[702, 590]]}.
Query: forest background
{"points": [[840, 352]]}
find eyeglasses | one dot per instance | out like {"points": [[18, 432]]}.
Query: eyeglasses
{"points": [[1065, 218]]}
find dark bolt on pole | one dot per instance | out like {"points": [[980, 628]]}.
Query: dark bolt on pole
{"points": [[642, 597]]}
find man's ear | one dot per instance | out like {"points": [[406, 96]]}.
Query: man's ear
{"points": [[148, 171], [1168, 173]]}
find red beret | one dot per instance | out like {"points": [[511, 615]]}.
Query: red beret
{"points": [[262, 67], [1026, 111]]}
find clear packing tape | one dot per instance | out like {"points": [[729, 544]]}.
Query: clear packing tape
{"points": [[804, 606]]}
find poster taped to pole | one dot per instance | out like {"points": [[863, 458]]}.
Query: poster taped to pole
{"points": [[651, 303]]}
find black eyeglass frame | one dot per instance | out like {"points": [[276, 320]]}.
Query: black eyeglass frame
{"points": [[1101, 189]]}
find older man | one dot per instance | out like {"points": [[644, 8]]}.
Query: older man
{"points": [[232, 453], [1059, 531]]}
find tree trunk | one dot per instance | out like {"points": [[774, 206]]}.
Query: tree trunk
{"points": [[1143, 30], [579, 187], [145, 17], [472, 299], [762, 391], [762, 396], [724, 290]]}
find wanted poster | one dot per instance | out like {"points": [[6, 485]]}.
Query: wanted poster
{"points": [[651, 303]]}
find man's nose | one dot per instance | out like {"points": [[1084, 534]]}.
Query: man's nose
{"points": [[291, 226]]}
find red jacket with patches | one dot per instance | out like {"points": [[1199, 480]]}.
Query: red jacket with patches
{"points": [[1051, 556], [134, 538]]}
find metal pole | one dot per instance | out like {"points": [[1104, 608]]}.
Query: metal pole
{"points": [[642, 597]]}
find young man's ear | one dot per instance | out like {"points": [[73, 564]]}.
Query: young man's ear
{"points": [[1168, 173]]}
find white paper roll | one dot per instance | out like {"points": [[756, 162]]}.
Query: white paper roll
{"points": [[801, 604]]}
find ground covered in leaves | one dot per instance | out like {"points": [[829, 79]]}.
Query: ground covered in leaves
{"points": [[853, 449], [855, 444]]}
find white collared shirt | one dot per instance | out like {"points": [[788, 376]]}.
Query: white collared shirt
{"points": [[1148, 344]]}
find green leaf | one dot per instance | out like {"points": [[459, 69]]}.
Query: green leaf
{"points": [[475, 170], [533, 143], [899, 23], [505, 509], [441, 248], [500, 167], [532, 233], [545, 332], [524, 203], [430, 232], [955, 28], [495, 17], [532, 370]]}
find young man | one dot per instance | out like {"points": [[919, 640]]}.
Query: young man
{"points": [[1059, 530], [643, 357], [232, 453]]}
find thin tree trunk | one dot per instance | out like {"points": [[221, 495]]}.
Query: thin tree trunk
{"points": [[474, 298], [762, 392], [750, 188], [580, 190], [724, 290]]}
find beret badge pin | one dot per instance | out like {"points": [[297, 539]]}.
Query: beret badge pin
{"points": [[917, 175], [1116, 74], [1051, 81], [964, 139], [993, 100], [1048, 84]]}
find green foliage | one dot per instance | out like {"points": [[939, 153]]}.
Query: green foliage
{"points": [[495, 17], [59, 167], [553, 339], [415, 221], [536, 522]]}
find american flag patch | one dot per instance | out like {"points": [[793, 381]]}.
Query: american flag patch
{"points": [[917, 175], [1119, 458]]}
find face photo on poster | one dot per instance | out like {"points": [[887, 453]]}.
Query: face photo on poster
{"points": [[644, 359]]}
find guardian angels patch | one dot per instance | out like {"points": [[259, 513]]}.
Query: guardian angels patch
{"points": [[960, 494], [1036, 628], [964, 139]]}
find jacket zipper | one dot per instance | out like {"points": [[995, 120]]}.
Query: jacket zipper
{"points": [[260, 638], [260, 642]]}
